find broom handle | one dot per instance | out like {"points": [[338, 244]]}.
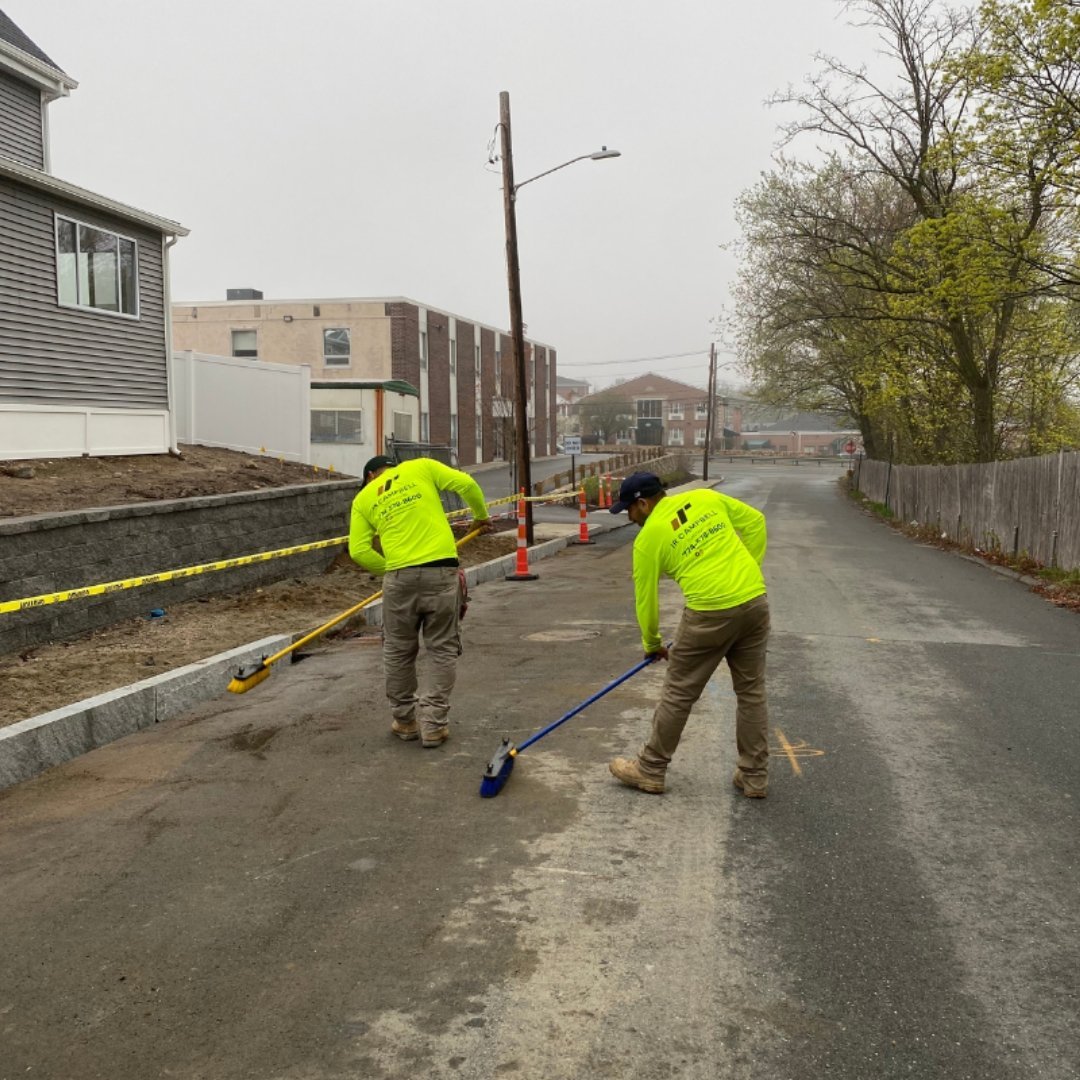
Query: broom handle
{"points": [[344, 615], [585, 704]]}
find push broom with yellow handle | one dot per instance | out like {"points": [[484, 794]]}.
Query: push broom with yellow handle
{"points": [[253, 674]]}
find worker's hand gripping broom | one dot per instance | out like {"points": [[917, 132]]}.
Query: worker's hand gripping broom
{"points": [[253, 674], [502, 764]]}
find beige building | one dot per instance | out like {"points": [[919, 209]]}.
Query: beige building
{"points": [[461, 370]]}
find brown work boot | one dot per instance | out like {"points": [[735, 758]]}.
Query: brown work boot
{"points": [[758, 791], [406, 732], [435, 736], [628, 771]]}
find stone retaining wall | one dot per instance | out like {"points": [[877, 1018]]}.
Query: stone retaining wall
{"points": [[51, 552]]}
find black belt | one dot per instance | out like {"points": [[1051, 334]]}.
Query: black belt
{"points": [[435, 562]]}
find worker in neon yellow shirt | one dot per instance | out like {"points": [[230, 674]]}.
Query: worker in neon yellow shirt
{"points": [[400, 505], [712, 546]]}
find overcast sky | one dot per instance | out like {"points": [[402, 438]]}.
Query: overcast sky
{"points": [[340, 148]]}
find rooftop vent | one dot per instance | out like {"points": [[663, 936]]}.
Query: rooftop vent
{"points": [[243, 294]]}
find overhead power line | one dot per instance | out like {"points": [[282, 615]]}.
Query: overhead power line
{"points": [[638, 360]]}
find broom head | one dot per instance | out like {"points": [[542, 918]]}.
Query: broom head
{"points": [[249, 676], [498, 770]]}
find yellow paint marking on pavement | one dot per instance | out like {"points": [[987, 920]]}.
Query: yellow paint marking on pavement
{"points": [[796, 750]]}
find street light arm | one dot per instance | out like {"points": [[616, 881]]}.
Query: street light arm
{"points": [[596, 155]]}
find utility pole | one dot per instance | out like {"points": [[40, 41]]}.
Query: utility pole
{"points": [[517, 333], [709, 410]]}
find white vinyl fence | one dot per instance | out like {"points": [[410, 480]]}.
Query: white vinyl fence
{"points": [[242, 404], [1030, 505]]}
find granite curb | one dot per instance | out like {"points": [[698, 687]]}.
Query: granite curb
{"points": [[31, 746]]}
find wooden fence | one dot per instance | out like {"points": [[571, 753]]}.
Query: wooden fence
{"points": [[1028, 506]]}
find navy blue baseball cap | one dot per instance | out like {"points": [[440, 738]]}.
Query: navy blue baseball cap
{"points": [[380, 461], [642, 485]]}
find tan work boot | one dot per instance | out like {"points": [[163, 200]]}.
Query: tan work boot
{"points": [[435, 736], [628, 771], [751, 793], [406, 732]]}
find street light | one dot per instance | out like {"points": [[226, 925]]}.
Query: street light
{"points": [[517, 332]]}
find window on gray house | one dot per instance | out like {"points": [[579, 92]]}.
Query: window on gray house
{"points": [[245, 343], [336, 352], [96, 269], [336, 426]]}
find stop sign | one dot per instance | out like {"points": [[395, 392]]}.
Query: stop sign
{"points": [[849, 447]]}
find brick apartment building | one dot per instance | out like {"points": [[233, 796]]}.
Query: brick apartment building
{"points": [[463, 370], [653, 410]]}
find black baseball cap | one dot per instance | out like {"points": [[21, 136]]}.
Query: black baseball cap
{"points": [[641, 485], [381, 461]]}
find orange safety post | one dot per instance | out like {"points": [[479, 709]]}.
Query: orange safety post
{"points": [[583, 527], [607, 491], [521, 570]]}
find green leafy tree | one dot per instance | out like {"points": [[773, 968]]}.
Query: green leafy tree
{"points": [[906, 278], [605, 415]]}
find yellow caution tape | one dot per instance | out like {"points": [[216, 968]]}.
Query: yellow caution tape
{"points": [[165, 575], [63, 595]]}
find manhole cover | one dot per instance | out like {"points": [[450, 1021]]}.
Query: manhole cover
{"points": [[563, 635]]}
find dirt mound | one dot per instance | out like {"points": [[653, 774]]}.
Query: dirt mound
{"points": [[53, 485]]}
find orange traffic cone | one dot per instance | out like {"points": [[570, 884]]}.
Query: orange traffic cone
{"points": [[521, 570], [583, 527]]}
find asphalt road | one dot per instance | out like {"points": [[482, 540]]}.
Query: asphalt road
{"points": [[275, 888]]}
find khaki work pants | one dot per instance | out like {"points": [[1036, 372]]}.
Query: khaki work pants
{"points": [[427, 600], [704, 638]]}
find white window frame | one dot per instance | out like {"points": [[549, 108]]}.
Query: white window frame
{"points": [[333, 360], [453, 356], [423, 350], [675, 410], [134, 316], [701, 410], [357, 414], [403, 425], [699, 437], [233, 331], [675, 437]]}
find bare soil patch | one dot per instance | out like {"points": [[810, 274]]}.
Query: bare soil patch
{"points": [[53, 485], [47, 677]]}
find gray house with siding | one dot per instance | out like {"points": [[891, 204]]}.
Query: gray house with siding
{"points": [[84, 290]]}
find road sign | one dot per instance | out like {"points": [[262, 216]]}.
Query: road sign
{"points": [[572, 444], [849, 447]]}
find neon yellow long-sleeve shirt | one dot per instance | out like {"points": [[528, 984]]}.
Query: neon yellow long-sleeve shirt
{"points": [[711, 544], [402, 507]]}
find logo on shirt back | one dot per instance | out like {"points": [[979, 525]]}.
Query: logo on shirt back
{"points": [[679, 520], [385, 487]]}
